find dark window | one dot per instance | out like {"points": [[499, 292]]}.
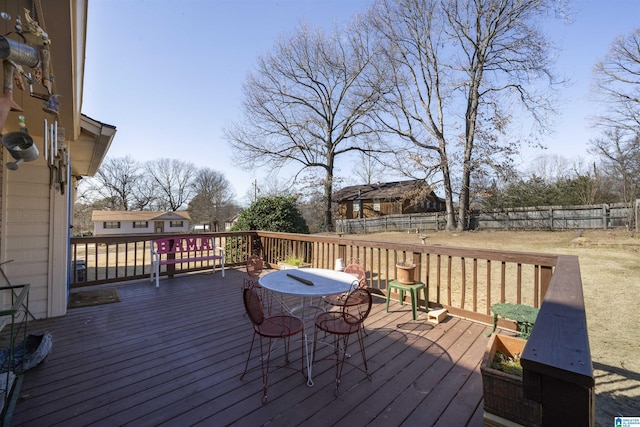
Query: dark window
{"points": [[111, 224], [140, 224], [176, 223]]}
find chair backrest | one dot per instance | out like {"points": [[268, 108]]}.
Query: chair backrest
{"points": [[357, 306], [359, 272], [253, 305], [254, 265]]}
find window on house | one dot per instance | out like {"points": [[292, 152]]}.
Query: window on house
{"points": [[140, 224], [176, 224], [376, 205], [111, 224], [356, 206]]}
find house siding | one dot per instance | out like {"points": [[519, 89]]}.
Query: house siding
{"points": [[345, 209], [35, 216], [390, 198], [126, 226]]}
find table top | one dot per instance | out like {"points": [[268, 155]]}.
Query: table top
{"points": [[325, 282]]}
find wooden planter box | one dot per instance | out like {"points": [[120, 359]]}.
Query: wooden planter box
{"points": [[503, 393], [285, 266]]}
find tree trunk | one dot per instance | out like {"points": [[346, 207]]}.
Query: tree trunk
{"points": [[328, 189], [448, 198], [471, 117]]}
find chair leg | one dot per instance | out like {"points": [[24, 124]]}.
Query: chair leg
{"points": [[246, 365], [265, 371], [364, 355], [286, 342], [425, 291], [414, 303], [344, 341]]}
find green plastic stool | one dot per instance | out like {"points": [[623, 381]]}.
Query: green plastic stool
{"points": [[413, 289]]}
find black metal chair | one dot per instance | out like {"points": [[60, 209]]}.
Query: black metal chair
{"points": [[269, 327], [344, 323]]}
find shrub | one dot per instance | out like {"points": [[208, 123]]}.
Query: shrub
{"points": [[277, 213]]}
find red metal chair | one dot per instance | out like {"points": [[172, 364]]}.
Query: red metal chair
{"points": [[344, 323], [360, 275], [270, 327], [254, 265]]}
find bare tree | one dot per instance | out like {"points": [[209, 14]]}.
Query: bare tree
{"points": [[117, 182], [620, 156], [173, 183], [617, 83], [551, 167], [460, 69], [307, 103], [617, 86], [213, 200], [368, 167]]}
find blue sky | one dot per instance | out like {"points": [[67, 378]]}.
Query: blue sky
{"points": [[168, 74]]}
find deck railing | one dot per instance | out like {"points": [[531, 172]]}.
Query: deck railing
{"points": [[465, 281], [108, 259]]}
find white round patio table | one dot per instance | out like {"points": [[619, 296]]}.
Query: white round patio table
{"points": [[307, 283]]}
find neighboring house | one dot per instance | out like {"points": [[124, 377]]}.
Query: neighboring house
{"points": [[389, 198], [230, 223], [37, 197], [139, 222]]}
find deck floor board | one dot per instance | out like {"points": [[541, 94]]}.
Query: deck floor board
{"points": [[174, 355]]}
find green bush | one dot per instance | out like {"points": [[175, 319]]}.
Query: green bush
{"points": [[277, 213]]}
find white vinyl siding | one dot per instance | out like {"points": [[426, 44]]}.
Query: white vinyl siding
{"points": [[35, 219]]}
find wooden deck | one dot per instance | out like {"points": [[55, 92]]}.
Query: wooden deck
{"points": [[174, 355]]}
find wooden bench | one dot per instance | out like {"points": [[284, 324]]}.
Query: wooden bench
{"points": [[182, 249]]}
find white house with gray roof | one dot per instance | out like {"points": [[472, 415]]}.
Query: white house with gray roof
{"points": [[107, 223]]}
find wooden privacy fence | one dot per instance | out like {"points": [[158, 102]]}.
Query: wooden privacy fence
{"points": [[555, 218]]}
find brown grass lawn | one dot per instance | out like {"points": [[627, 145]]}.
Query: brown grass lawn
{"points": [[610, 267]]}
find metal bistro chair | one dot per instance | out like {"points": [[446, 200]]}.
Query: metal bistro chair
{"points": [[255, 265], [360, 274], [269, 327], [347, 321], [358, 271]]}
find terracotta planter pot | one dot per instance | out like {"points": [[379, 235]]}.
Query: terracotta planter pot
{"points": [[503, 392], [406, 273]]}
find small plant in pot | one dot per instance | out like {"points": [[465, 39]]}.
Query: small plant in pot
{"points": [[405, 272], [502, 382]]}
